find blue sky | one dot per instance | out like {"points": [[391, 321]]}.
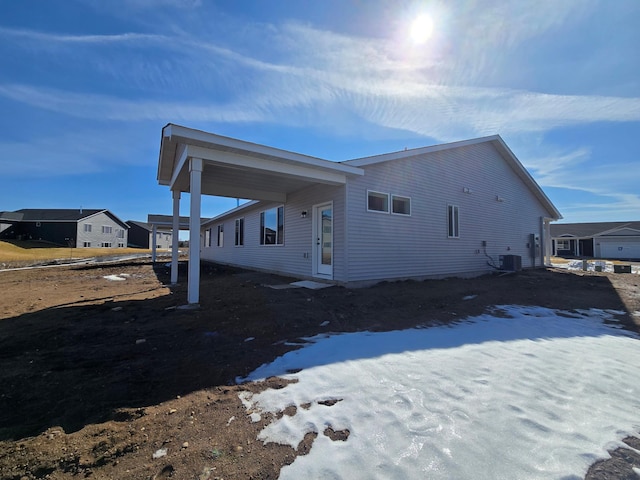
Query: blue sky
{"points": [[87, 85]]}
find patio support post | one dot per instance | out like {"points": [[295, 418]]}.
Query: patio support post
{"points": [[195, 172], [154, 243], [175, 240]]}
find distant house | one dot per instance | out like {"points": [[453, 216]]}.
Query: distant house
{"points": [[611, 240], [141, 236], [65, 227], [447, 210]]}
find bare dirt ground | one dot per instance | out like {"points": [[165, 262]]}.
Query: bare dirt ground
{"points": [[97, 375]]}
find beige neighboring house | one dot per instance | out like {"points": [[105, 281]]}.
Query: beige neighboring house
{"points": [[81, 228]]}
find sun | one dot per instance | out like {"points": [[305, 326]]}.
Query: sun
{"points": [[421, 29]]}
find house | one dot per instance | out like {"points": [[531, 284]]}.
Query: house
{"points": [[65, 227], [141, 235], [447, 210], [611, 240]]}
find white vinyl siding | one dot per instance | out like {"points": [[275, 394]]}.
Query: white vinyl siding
{"points": [[294, 257], [395, 246], [107, 230]]}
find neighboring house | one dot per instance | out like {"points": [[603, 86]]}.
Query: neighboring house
{"points": [[446, 210], [611, 240], [141, 236], [65, 227]]}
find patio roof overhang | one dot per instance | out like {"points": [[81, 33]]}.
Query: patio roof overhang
{"points": [[204, 163], [239, 169]]}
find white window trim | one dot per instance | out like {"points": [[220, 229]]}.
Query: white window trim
{"points": [[261, 240], [456, 225], [397, 213], [220, 235], [385, 212], [235, 237]]}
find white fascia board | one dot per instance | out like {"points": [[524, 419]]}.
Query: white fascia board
{"points": [[296, 170], [214, 140]]}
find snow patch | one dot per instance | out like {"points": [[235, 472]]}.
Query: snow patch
{"points": [[544, 392]]}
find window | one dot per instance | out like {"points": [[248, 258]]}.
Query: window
{"points": [[106, 229], [562, 245], [207, 237], [220, 235], [272, 226], [87, 227], [400, 205], [119, 233], [239, 232], [86, 244], [377, 202], [121, 245], [453, 221], [106, 244]]}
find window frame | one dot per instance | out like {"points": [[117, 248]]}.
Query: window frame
{"points": [[279, 231], [393, 197], [207, 237], [107, 229], [220, 235], [239, 232], [380, 195], [87, 228], [453, 221]]}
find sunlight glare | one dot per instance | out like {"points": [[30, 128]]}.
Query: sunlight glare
{"points": [[421, 29]]}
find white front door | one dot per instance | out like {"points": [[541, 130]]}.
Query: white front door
{"points": [[323, 239]]}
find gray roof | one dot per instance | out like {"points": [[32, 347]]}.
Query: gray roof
{"points": [[11, 216], [589, 229], [55, 214], [144, 225]]}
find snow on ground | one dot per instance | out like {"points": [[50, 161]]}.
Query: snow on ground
{"points": [[528, 393], [605, 265]]}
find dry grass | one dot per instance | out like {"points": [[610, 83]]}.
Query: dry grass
{"points": [[26, 252]]}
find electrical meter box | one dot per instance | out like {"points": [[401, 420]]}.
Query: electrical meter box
{"points": [[534, 244]]}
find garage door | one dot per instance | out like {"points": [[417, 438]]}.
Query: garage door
{"points": [[620, 249]]}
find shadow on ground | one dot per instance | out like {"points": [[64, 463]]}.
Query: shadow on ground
{"points": [[86, 362]]}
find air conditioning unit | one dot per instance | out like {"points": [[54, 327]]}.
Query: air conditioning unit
{"points": [[511, 263]]}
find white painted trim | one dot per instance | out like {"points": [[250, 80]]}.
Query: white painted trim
{"points": [[193, 287], [314, 239], [175, 240], [400, 214], [386, 212]]}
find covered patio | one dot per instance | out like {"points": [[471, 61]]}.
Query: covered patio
{"points": [[202, 163]]}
